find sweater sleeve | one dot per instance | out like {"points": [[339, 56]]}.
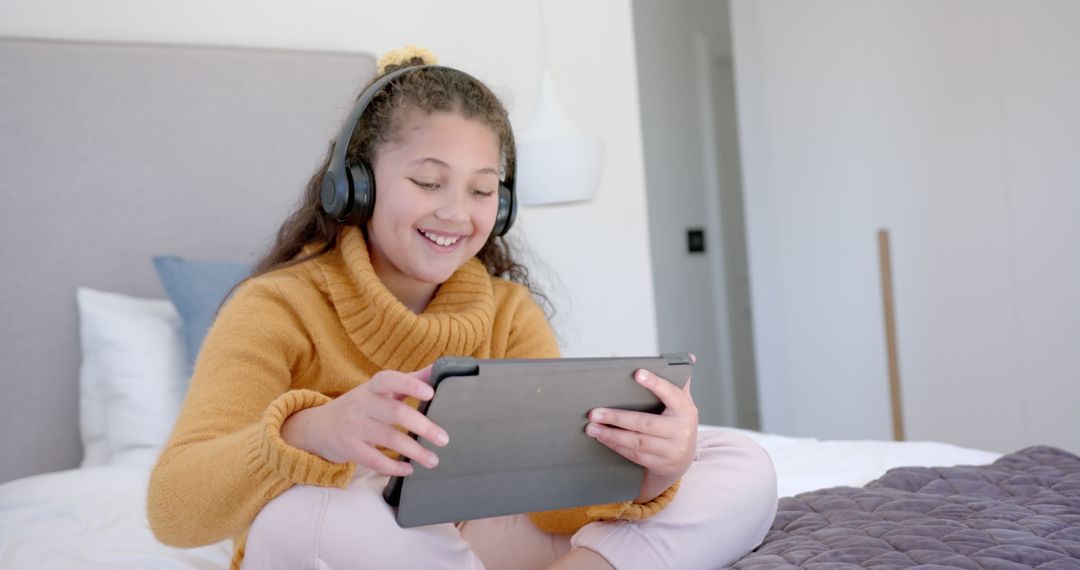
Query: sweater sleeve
{"points": [[531, 336], [225, 458]]}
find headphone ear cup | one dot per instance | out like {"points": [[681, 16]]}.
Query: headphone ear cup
{"points": [[507, 211], [335, 195], [363, 193]]}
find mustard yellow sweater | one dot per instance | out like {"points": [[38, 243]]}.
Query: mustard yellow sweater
{"points": [[296, 338]]}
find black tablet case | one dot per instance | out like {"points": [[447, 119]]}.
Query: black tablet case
{"points": [[517, 437]]}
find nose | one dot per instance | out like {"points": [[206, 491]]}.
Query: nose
{"points": [[452, 207]]}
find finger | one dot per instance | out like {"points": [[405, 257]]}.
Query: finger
{"points": [[393, 439], [378, 462], [394, 384], [397, 413], [629, 439], [686, 387], [644, 459], [644, 422], [424, 374], [673, 397]]}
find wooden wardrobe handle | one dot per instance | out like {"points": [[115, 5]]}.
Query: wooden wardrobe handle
{"points": [[885, 266]]}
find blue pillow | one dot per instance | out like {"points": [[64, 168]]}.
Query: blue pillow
{"points": [[197, 289]]}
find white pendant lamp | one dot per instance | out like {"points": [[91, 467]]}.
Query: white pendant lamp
{"points": [[557, 162]]}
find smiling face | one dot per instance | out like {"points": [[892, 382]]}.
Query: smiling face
{"points": [[436, 200]]}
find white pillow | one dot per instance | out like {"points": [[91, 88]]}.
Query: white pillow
{"points": [[133, 376]]}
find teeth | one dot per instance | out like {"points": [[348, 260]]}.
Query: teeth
{"points": [[441, 240]]}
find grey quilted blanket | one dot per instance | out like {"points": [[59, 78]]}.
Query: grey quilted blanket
{"points": [[1022, 511]]}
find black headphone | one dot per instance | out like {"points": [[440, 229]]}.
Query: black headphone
{"points": [[348, 190]]}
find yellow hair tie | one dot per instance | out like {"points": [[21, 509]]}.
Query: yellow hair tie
{"points": [[404, 56]]}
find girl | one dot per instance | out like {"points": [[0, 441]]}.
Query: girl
{"points": [[316, 360]]}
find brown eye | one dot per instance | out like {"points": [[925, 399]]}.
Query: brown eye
{"points": [[424, 185]]}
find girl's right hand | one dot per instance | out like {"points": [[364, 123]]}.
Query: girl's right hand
{"points": [[348, 428]]}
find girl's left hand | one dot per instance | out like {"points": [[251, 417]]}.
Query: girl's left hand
{"points": [[663, 444]]}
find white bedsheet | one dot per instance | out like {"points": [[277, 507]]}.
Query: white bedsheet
{"points": [[95, 518], [92, 518], [806, 464]]}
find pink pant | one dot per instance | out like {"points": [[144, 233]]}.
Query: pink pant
{"points": [[723, 509]]}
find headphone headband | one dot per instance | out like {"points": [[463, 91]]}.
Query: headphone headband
{"points": [[348, 191], [348, 129]]}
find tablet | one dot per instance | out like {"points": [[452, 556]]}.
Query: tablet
{"points": [[517, 437]]}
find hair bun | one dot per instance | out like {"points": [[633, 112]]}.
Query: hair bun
{"points": [[405, 57]]}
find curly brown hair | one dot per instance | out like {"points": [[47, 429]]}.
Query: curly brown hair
{"points": [[431, 89]]}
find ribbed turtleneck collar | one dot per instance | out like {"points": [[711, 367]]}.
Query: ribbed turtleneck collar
{"points": [[385, 330]]}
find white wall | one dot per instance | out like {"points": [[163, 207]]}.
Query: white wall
{"points": [[599, 252], [806, 140], [672, 133], [692, 175], [954, 125], [1041, 50]]}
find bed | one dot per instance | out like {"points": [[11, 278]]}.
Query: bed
{"points": [[135, 356], [134, 363], [95, 517], [94, 358]]}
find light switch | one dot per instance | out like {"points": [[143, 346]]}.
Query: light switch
{"points": [[695, 240]]}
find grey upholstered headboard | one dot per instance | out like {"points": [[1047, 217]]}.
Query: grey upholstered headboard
{"points": [[110, 154]]}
